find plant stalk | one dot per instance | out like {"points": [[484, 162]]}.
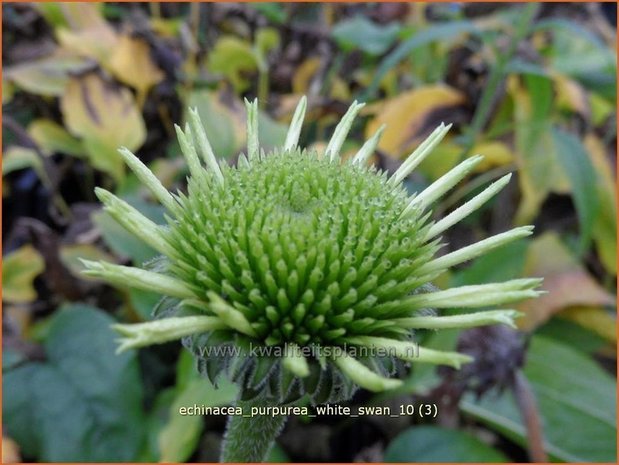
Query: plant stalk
{"points": [[250, 438]]}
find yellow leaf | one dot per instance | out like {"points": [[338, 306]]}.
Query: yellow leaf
{"points": [[495, 154], [89, 34], [571, 96], [106, 117], [304, 74], [596, 319], [567, 282], [19, 269], [406, 116], [132, 64], [8, 90]]}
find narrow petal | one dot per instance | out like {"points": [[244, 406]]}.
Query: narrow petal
{"points": [[420, 153], [295, 362], [229, 315], [466, 320], [199, 134], [475, 250], [477, 295], [469, 207], [292, 137], [134, 222], [253, 145], [189, 151], [366, 151], [342, 130], [140, 279], [411, 351], [444, 183], [165, 330], [363, 376], [147, 178]]}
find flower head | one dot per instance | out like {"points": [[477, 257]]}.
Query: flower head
{"points": [[295, 249]]}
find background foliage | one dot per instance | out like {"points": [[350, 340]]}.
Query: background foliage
{"points": [[531, 87]]}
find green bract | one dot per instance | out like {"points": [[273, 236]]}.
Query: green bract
{"points": [[295, 250]]}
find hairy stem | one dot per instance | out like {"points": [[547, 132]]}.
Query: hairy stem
{"points": [[249, 439]]}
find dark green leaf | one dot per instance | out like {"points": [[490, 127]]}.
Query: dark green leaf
{"points": [[84, 404], [423, 38], [435, 444], [582, 176], [361, 33], [576, 400]]}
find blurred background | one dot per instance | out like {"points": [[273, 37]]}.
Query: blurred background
{"points": [[530, 86]]}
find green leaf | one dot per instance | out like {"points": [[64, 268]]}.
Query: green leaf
{"points": [[271, 133], [84, 403], [436, 444], [53, 138], [506, 262], [232, 57], [224, 128], [576, 401], [583, 179], [361, 33], [17, 158], [266, 40], [18, 272], [273, 11], [440, 32], [180, 435]]}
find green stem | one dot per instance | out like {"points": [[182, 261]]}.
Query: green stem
{"points": [[250, 438]]}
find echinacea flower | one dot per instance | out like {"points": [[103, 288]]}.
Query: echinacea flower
{"points": [[296, 249]]}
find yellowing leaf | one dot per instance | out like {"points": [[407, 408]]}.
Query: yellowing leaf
{"points": [[406, 115], [447, 154], [46, 76], [596, 319], [8, 90], [495, 154], [567, 282], [132, 64], [106, 117], [19, 269], [89, 35], [233, 57], [571, 96], [604, 229], [52, 138], [304, 74]]}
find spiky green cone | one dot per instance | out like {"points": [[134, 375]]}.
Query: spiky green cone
{"points": [[294, 250]]}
